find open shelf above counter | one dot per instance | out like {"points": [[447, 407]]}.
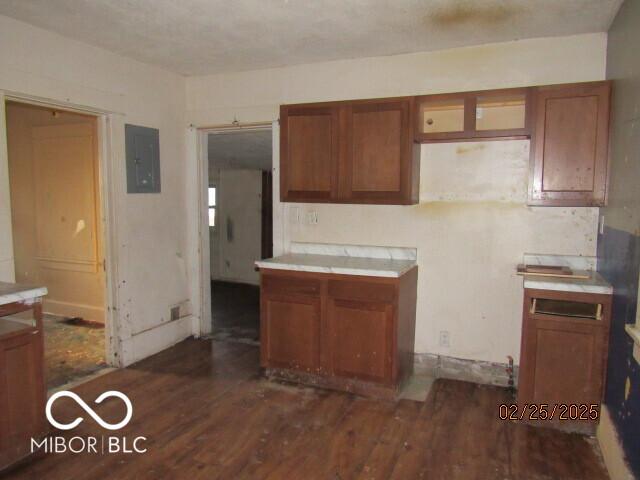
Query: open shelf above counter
{"points": [[484, 115]]}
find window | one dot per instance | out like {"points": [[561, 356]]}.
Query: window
{"points": [[212, 206]]}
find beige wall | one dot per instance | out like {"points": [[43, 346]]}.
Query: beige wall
{"points": [[55, 208], [472, 224], [151, 262]]}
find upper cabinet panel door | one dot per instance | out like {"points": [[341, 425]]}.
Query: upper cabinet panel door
{"points": [[377, 164], [308, 153], [570, 147]]}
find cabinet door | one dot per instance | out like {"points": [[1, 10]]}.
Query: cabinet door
{"points": [[378, 159], [290, 322], [562, 362], [570, 147], [361, 334], [308, 153], [22, 396]]}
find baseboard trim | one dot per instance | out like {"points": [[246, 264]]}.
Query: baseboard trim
{"points": [[611, 448], [68, 309], [154, 340], [441, 366]]}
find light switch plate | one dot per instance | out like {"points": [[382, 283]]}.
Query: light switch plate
{"points": [[311, 217]]}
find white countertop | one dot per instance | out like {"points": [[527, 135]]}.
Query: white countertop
{"points": [[15, 292], [580, 265], [342, 250], [594, 284], [343, 265]]}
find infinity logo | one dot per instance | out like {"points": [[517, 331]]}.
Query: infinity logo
{"points": [[89, 410]]}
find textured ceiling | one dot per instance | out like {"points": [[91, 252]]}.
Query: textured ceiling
{"points": [[244, 149], [195, 37]]}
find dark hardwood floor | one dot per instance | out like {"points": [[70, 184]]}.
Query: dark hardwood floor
{"points": [[235, 309], [235, 304], [207, 414]]}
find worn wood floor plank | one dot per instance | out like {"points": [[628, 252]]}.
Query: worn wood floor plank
{"points": [[208, 414]]}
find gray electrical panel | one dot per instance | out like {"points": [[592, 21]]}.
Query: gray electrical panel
{"points": [[143, 159]]}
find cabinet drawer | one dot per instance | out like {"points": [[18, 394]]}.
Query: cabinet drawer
{"points": [[362, 290], [277, 285]]}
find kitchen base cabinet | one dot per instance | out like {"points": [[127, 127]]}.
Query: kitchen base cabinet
{"points": [[22, 385], [563, 357], [346, 332]]}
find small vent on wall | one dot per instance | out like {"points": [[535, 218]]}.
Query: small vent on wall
{"points": [[175, 313]]}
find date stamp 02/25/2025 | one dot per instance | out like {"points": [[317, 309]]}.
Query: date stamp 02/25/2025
{"points": [[543, 411]]}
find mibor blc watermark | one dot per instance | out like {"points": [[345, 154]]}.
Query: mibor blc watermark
{"points": [[103, 444]]}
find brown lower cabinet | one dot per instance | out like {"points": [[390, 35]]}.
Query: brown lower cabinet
{"points": [[22, 385], [563, 357], [347, 332]]}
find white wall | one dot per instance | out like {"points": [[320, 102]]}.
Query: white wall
{"points": [[151, 229], [237, 245], [472, 224]]}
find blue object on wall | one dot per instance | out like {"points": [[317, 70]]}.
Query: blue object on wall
{"points": [[619, 263], [142, 145]]}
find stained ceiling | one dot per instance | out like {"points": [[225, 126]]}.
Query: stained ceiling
{"points": [[195, 37]]}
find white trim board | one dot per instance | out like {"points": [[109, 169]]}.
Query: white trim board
{"points": [[67, 309], [154, 340], [611, 448], [198, 236]]}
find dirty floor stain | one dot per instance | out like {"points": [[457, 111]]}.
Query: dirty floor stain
{"points": [[71, 349]]}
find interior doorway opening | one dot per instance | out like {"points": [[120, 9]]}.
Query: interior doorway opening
{"points": [[53, 159], [240, 222]]}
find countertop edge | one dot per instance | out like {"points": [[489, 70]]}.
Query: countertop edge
{"points": [[538, 285], [334, 270], [27, 294]]}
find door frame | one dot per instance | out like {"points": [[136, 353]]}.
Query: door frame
{"points": [[110, 139], [202, 293]]}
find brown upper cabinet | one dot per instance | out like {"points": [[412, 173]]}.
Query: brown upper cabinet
{"points": [[309, 153], [367, 151], [484, 115], [570, 145], [349, 152]]}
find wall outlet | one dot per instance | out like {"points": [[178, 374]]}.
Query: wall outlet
{"points": [[175, 312], [444, 339], [601, 226]]}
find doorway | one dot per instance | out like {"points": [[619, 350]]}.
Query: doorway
{"points": [[240, 222], [57, 232]]}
